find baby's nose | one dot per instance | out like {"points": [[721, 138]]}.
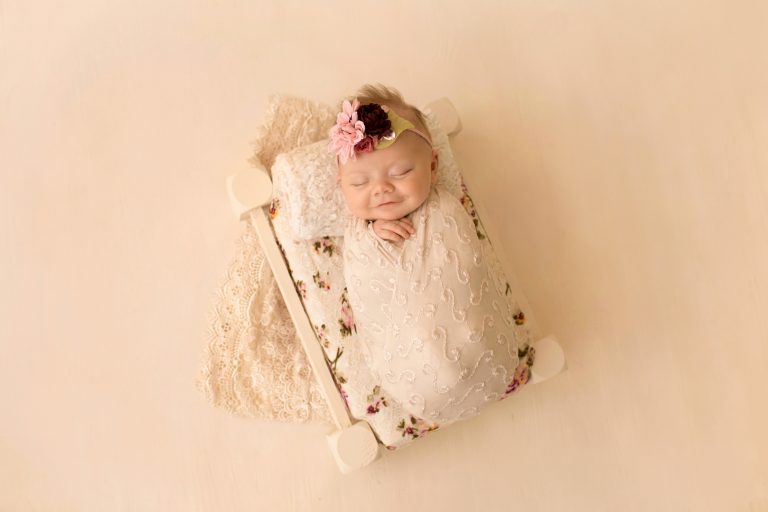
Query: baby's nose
{"points": [[384, 186]]}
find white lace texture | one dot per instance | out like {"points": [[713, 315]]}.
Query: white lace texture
{"points": [[253, 364]]}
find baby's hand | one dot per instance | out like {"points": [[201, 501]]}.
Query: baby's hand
{"points": [[394, 230]]}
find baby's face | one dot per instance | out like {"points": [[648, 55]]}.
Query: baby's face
{"points": [[389, 183]]}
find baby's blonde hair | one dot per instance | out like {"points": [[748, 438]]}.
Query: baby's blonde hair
{"points": [[384, 95]]}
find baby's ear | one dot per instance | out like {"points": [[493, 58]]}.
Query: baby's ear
{"points": [[433, 167]]}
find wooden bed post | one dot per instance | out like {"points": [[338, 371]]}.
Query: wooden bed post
{"points": [[353, 445]]}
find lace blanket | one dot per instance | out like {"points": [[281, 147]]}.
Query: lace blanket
{"points": [[432, 314], [253, 364]]}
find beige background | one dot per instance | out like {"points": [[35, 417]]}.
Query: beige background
{"points": [[620, 149]]}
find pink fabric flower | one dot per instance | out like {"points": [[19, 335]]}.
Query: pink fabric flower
{"points": [[347, 131]]}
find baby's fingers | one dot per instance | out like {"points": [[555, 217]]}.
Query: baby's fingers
{"points": [[390, 236], [400, 229], [408, 225]]}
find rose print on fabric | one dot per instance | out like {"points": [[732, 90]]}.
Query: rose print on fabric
{"points": [[301, 287], [415, 427], [523, 371], [320, 282], [347, 321], [322, 335], [274, 207], [345, 396], [339, 377], [468, 205], [522, 374], [324, 245], [376, 400]]}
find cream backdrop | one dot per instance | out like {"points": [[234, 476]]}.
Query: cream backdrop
{"points": [[620, 149]]}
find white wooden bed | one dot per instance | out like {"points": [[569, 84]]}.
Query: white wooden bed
{"points": [[353, 444]]}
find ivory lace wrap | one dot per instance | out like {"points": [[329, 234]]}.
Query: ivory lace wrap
{"points": [[433, 316]]}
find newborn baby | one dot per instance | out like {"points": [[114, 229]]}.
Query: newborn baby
{"points": [[427, 296]]}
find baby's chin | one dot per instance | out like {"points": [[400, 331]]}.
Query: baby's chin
{"points": [[393, 214], [390, 216]]}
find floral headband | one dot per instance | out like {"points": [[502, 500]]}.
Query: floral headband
{"points": [[361, 129]]}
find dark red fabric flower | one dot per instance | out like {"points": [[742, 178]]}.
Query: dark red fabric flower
{"points": [[365, 145], [374, 118]]}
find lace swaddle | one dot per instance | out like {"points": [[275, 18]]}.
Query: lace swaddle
{"points": [[433, 316]]}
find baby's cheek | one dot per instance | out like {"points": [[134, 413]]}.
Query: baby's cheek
{"points": [[359, 209], [350, 199]]}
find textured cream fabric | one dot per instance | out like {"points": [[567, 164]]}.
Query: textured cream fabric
{"points": [[433, 315], [254, 364]]}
